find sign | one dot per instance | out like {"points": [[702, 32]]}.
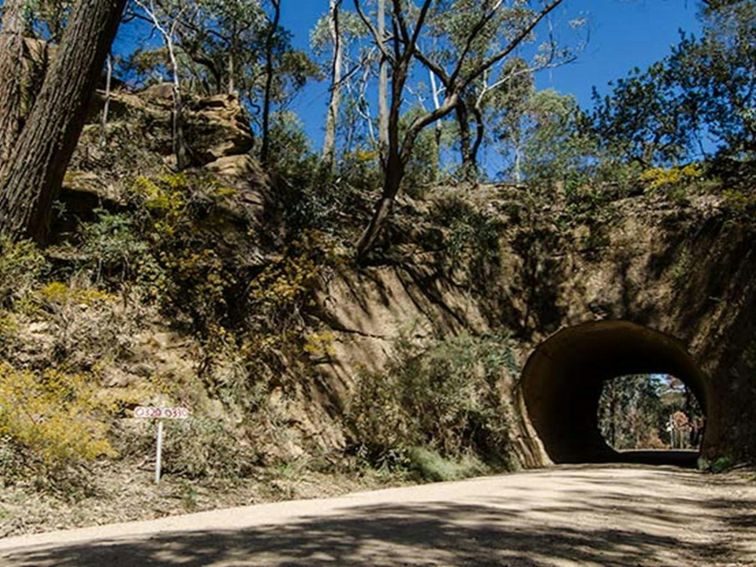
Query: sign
{"points": [[161, 412]]}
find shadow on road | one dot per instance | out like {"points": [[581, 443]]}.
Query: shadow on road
{"points": [[611, 521]]}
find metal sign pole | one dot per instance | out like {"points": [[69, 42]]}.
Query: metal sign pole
{"points": [[159, 452]]}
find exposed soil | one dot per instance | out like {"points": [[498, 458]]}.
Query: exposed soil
{"points": [[614, 515]]}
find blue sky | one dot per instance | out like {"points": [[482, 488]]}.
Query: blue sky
{"points": [[623, 34]]}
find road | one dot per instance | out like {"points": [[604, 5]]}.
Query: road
{"points": [[580, 515]]}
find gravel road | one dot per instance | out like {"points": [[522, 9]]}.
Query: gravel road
{"points": [[582, 515]]}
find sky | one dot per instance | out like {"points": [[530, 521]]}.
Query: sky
{"points": [[622, 34]]}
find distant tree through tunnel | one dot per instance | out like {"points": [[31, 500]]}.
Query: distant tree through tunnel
{"points": [[564, 377]]}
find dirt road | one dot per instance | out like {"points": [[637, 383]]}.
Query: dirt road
{"points": [[598, 515]]}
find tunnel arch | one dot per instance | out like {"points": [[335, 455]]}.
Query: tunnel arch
{"points": [[563, 378]]}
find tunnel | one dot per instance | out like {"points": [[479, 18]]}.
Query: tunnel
{"points": [[564, 376]]}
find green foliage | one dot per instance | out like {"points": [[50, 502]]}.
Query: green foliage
{"points": [[430, 466], [114, 246], [21, 265], [290, 146], [167, 247], [703, 90], [200, 448], [634, 410], [631, 413], [446, 396], [717, 466]]}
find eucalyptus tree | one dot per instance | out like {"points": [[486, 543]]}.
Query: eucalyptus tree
{"points": [[11, 69], [31, 177], [697, 101], [336, 41], [457, 70], [166, 18], [449, 33]]}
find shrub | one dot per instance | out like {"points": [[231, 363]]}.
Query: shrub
{"points": [[429, 465], [21, 265], [203, 448], [114, 247], [677, 182], [57, 418], [445, 395], [87, 325]]}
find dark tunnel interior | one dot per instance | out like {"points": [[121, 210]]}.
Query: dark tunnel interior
{"points": [[563, 379]]}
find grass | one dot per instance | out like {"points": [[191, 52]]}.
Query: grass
{"points": [[429, 465]]}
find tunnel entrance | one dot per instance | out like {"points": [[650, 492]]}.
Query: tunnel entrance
{"points": [[564, 377]]}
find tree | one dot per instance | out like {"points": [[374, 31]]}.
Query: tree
{"points": [[329, 142], [631, 413], [11, 70], [456, 74], [166, 18], [269, 68], [695, 103], [223, 38], [383, 109], [31, 178], [48, 18], [450, 29], [541, 138]]}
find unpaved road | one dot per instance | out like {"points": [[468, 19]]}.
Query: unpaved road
{"points": [[598, 515]]}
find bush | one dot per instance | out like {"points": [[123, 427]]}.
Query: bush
{"points": [[431, 466], [203, 448], [54, 418], [446, 395], [21, 265]]}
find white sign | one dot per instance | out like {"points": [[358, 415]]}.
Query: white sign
{"points": [[161, 412]]}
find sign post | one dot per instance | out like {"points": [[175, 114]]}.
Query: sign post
{"points": [[159, 451], [160, 413]]}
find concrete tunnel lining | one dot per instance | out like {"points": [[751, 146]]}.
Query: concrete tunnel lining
{"points": [[563, 379]]}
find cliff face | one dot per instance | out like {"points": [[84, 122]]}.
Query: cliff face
{"points": [[683, 269], [686, 270]]}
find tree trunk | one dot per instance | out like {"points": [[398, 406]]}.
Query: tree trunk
{"points": [[11, 73], [31, 178], [479, 133], [393, 164], [391, 185], [463, 120], [439, 126], [469, 148], [180, 146], [106, 105], [231, 72], [269, 45], [383, 110], [329, 142]]}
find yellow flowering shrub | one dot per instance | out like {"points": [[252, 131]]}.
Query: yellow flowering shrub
{"points": [[57, 417], [661, 178], [319, 343], [59, 294]]}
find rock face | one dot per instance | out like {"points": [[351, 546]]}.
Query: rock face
{"points": [[136, 141], [684, 276]]}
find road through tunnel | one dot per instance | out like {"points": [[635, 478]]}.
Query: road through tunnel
{"points": [[564, 377]]}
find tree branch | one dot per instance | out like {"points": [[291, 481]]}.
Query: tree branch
{"points": [[491, 61]]}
